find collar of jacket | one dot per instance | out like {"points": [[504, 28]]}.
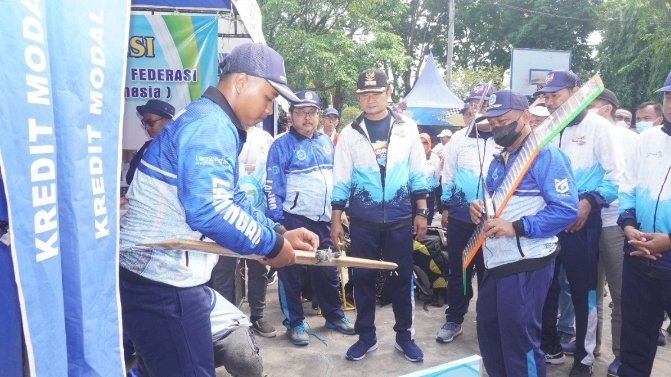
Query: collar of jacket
{"points": [[395, 118], [578, 118], [666, 127], [300, 136], [214, 95]]}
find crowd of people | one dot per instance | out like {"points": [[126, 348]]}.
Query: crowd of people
{"points": [[593, 208]]}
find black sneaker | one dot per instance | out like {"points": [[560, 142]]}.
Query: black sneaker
{"points": [[264, 328], [580, 370]]}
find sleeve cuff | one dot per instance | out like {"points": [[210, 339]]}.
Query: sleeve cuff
{"points": [[594, 199], [280, 229], [338, 206], [518, 225], [419, 195], [279, 243], [626, 222]]}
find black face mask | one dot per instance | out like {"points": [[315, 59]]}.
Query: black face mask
{"points": [[505, 136]]}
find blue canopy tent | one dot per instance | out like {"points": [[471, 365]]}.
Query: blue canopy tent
{"points": [[431, 103]]}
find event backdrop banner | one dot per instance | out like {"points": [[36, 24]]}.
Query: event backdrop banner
{"points": [[60, 164], [172, 58]]}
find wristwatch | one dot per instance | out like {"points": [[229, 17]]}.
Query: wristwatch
{"points": [[422, 212]]}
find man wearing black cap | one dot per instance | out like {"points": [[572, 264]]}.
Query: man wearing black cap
{"points": [[482, 91], [186, 187], [330, 119], [379, 169], [298, 190], [645, 217], [155, 115], [611, 240], [598, 169], [521, 244]]}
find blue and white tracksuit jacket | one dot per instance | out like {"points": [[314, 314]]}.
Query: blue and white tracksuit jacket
{"points": [[646, 203], [544, 204], [462, 173], [597, 166], [186, 186], [375, 195], [299, 177]]}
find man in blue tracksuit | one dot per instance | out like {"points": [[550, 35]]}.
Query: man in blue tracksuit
{"points": [[379, 169], [521, 245], [186, 186], [298, 188], [598, 169], [646, 220], [465, 165]]}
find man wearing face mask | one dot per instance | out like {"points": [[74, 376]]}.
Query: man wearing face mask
{"points": [[623, 118], [598, 170], [521, 244], [648, 114], [611, 240]]}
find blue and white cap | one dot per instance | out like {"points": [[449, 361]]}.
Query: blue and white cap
{"points": [[307, 98], [558, 80], [259, 60], [503, 101]]}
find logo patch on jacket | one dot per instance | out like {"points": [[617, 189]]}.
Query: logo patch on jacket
{"points": [[561, 185], [580, 140], [301, 155]]}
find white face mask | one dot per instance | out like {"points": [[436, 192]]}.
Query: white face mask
{"points": [[642, 126], [621, 123]]}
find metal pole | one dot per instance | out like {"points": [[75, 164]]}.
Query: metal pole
{"points": [[450, 44]]}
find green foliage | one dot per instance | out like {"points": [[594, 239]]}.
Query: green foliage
{"points": [[464, 80], [347, 115], [635, 53], [327, 43]]}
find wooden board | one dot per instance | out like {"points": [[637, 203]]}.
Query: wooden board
{"points": [[302, 257]]}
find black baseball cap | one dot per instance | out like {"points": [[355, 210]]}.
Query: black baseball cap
{"points": [[667, 85], [158, 107], [372, 80], [331, 111], [259, 60], [610, 97]]}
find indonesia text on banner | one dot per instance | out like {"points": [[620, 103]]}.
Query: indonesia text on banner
{"points": [[172, 58], [87, 95], [28, 153]]}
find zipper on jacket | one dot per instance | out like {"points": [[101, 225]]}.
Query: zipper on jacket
{"points": [[519, 246], [187, 258], [295, 201], [319, 166]]}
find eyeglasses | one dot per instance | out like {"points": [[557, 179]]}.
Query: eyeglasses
{"points": [[305, 114], [149, 123]]}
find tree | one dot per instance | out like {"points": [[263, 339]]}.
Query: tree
{"points": [[634, 56], [327, 43], [487, 30]]}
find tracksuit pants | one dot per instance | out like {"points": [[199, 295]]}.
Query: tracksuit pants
{"points": [[579, 255], [393, 245], [611, 258], [509, 311], [325, 280], [644, 300], [169, 327], [458, 234]]}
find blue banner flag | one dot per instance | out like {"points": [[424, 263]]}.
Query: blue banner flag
{"points": [[87, 84], [28, 157]]}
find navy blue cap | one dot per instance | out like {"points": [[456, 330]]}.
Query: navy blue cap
{"points": [[158, 107], [331, 111], [558, 80], [481, 91], [307, 98], [259, 60], [503, 101], [667, 85]]}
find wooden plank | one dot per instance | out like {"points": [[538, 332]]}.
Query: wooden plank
{"points": [[302, 257]]}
